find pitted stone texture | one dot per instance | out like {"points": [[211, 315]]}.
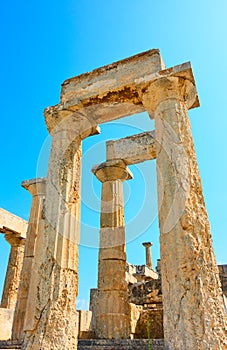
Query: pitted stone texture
{"points": [[55, 330], [193, 306]]}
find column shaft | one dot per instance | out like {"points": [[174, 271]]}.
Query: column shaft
{"points": [[13, 273], [37, 189], [193, 307], [112, 311], [55, 316]]}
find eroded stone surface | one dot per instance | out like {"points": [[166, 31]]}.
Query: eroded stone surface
{"points": [[193, 306], [55, 317]]}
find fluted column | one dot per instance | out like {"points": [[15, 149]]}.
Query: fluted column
{"points": [[193, 307], [54, 325], [36, 187], [112, 311], [13, 273]]}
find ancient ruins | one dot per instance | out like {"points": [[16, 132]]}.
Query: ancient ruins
{"points": [[180, 305]]}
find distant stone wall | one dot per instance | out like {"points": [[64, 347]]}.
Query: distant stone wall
{"points": [[147, 292], [146, 310], [223, 277]]}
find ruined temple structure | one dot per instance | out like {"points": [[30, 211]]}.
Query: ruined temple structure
{"points": [[180, 305]]}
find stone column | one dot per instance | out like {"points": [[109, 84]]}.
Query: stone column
{"points": [[13, 273], [55, 317], [193, 307], [112, 311], [37, 189], [147, 246]]}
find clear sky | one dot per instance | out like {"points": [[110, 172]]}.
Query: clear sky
{"points": [[45, 42]]}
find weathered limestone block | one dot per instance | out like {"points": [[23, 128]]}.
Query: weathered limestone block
{"points": [[107, 93], [150, 324], [192, 300], [11, 222], [123, 344], [135, 312], [85, 325], [132, 149], [112, 309], [28, 274], [6, 321]]}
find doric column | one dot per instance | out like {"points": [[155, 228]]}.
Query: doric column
{"points": [[112, 311], [55, 316], [13, 273], [193, 306], [36, 187], [147, 246]]}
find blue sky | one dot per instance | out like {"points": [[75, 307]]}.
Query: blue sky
{"points": [[45, 42]]}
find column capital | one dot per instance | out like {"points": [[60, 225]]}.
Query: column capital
{"points": [[37, 187], [79, 123], [173, 83], [112, 170], [14, 238], [147, 244]]}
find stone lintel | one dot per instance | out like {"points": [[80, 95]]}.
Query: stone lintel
{"points": [[80, 89], [115, 93], [10, 223], [35, 186], [112, 170], [133, 149]]}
